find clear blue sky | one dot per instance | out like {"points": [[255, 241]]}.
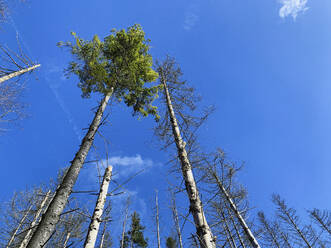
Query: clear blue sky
{"points": [[267, 72]]}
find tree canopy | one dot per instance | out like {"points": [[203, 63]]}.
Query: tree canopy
{"points": [[121, 63]]}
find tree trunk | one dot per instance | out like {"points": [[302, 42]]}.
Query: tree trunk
{"points": [[48, 223], [175, 216], [19, 226], [34, 222], [17, 73], [103, 235], [241, 220], [124, 222], [66, 240], [235, 226], [204, 233], [157, 220], [98, 210]]}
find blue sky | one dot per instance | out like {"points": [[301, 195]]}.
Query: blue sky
{"points": [[265, 65]]}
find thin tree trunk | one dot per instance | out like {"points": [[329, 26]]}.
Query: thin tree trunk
{"points": [[297, 229], [175, 215], [157, 220], [34, 222], [269, 229], [203, 230], [19, 226], [227, 228], [66, 240], [233, 206], [93, 229], [124, 223], [235, 227], [17, 73], [103, 235], [52, 216]]}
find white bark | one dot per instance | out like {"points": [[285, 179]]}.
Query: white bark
{"points": [[17, 73], [241, 220], [58, 203], [157, 220], [98, 210], [176, 220], [35, 220], [203, 230], [19, 226], [66, 240], [124, 223]]}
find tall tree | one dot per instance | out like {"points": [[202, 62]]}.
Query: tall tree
{"points": [[119, 67], [135, 233], [98, 210], [169, 74]]}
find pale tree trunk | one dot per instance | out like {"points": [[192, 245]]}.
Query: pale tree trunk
{"points": [[241, 220], [66, 240], [203, 230], [157, 220], [52, 216], [98, 210], [176, 220], [124, 222], [103, 235], [18, 73], [35, 220], [19, 226], [227, 228]]}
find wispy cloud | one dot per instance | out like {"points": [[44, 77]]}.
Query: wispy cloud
{"points": [[292, 8], [126, 166], [54, 77], [191, 16]]}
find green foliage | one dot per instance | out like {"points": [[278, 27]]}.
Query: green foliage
{"points": [[135, 235], [171, 242], [121, 63]]}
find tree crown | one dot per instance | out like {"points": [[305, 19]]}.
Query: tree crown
{"points": [[120, 64]]}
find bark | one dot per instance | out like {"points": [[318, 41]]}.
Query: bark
{"points": [[124, 223], [241, 220], [176, 220], [103, 235], [52, 216], [34, 222], [19, 226], [227, 228], [157, 220], [203, 230], [66, 240], [18, 73], [98, 210], [235, 227]]}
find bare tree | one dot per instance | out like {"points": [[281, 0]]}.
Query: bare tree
{"points": [[157, 219], [175, 218], [169, 74], [98, 210]]}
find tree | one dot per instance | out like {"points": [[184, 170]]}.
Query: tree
{"points": [[135, 233], [119, 67], [98, 210], [171, 242], [175, 93]]}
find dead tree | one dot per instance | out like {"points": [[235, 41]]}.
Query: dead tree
{"points": [[169, 74], [98, 210]]}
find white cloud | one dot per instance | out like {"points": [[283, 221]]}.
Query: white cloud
{"points": [[191, 16], [126, 166], [292, 8]]}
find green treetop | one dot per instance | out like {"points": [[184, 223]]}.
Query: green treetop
{"points": [[120, 64], [135, 236]]}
